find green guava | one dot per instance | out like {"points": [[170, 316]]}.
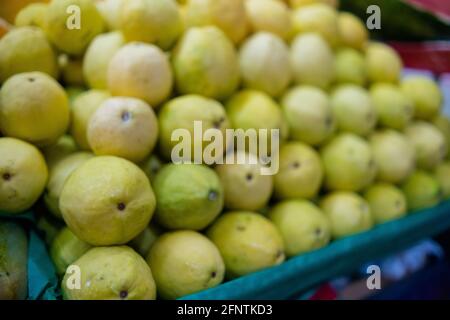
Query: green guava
{"points": [[442, 123], [395, 110], [350, 67], [111, 12], [72, 24], [442, 175], [348, 163], [151, 165], [26, 49], [425, 94], [205, 62], [145, 240], [312, 61], [300, 172], [71, 70], [353, 110], [188, 196], [383, 63], [59, 174], [429, 144], [111, 273], [107, 201], [422, 190], [386, 201], [184, 262], [303, 226], [66, 248], [264, 61], [307, 110], [62, 148], [245, 188], [247, 241], [180, 114], [34, 108], [23, 175], [347, 212], [394, 155], [32, 15]]}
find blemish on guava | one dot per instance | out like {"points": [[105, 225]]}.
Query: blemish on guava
{"points": [[121, 206], [213, 274], [213, 195], [6, 176], [240, 228], [296, 165], [125, 116], [249, 177], [123, 294]]}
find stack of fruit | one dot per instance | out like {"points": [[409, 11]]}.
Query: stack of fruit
{"points": [[93, 90]]}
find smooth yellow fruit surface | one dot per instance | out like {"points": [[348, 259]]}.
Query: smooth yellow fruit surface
{"points": [[352, 31], [425, 94], [422, 190], [383, 63], [386, 202]]}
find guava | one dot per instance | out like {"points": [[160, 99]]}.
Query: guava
{"points": [[350, 67], [72, 24], [32, 15], [383, 63], [59, 174], [181, 113], [185, 262], [111, 273], [442, 175], [111, 12], [394, 155], [107, 201], [386, 201], [301, 3], [145, 240], [141, 71], [245, 188], [83, 107], [71, 71], [352, 31], [429, 144], [23, 175], [269, 15], [66, 249], [98, 56], [303, 226], [188, 196], [348, 213], [63, 147], [442, 123], [151, 165], [425, 94], [264, 60], [26, 49], [244, 105], [247, 241], [312, 61], [307, 110], [153, 21], [228, 15], [422, 190], [348, 163], [48, 227], [318, 18], [34, 108], [123, 127], [206, 63], [73, 93], [395, 110], [353, 110], [300, 172], [5, 27], [10, 8]]}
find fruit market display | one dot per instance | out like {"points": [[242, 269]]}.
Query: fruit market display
{"points": [[87, 115]]}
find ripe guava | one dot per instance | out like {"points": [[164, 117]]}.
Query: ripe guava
{"points": [[123, 127], [62, 148], [300, 172], [347, 212], [348, 162], [142, 71], [205, 62], [312, 60], [425, 94], [394, 155], [442, 175], [188, 196], [353, 110], [383, 63], [247, 241], [395, 110], [34, 108], [442, 123], [386, 201], [23, 175], [185, 262], [351, 67], [422, 190], [352, 31], [111, 273], [307, 110], [264, 60], [111, 12], [303, 226], [32, 15], [107, 201]]}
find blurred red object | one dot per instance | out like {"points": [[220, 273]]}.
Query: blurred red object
{"points": [[440, 8], [325, 292], [433, 56]]}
